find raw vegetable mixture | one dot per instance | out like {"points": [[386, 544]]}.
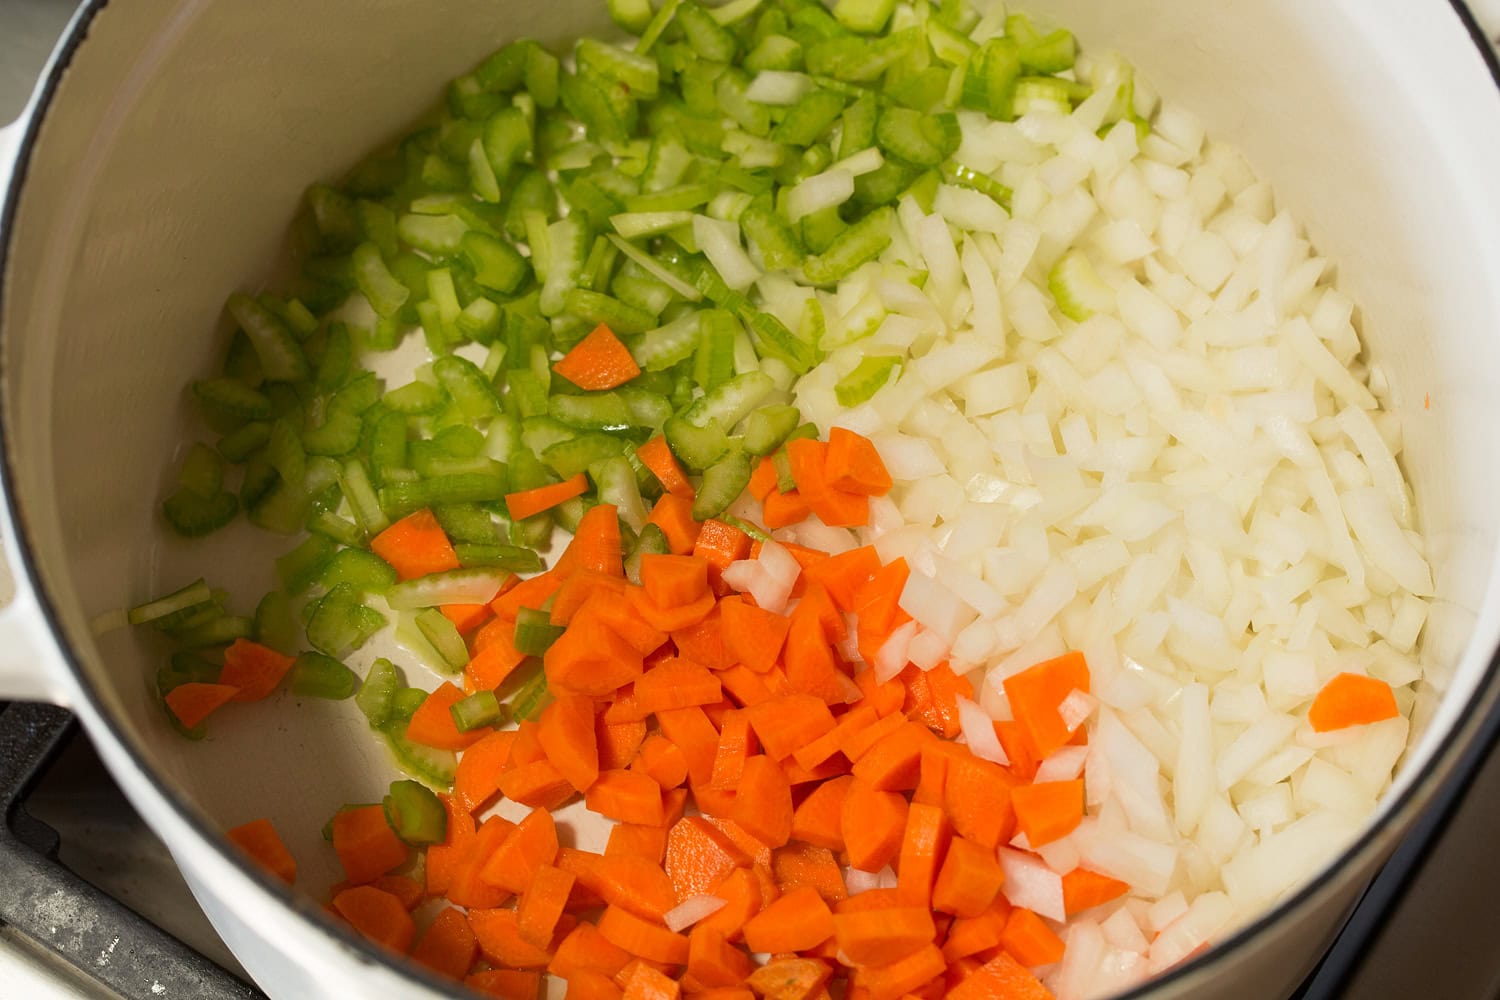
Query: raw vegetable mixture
{"points": [[986, 567]]}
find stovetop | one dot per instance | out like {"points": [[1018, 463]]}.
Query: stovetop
{"points": [[92, 906]]}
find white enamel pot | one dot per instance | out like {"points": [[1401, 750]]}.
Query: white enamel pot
{"points": [[165, 153]]}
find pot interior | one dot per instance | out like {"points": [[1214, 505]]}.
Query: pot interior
{"points": [[175, 150]]}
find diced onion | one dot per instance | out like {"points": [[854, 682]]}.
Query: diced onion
{"points": [[979, 732], [691, 910]]}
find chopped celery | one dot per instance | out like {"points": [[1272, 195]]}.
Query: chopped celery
{"points": [[531, 695], [602, 411], [866, 379], [632, 15], [923, 139], [576, 454], [274, 625], [202, 472], [281, 358], [237, 446], [193, 516], [511, 557], [376, 694], [865, 16], [496, 264], [416, 398], [430, 766], [457, 586], [723, 482], [696, 447], [232, 398], [444, 637], [535, 632], [479, 709], [865, 240], [314, 675], [364, 571], [300, 568], [417, 815], [617, 485], [219, 632], [341, 624], [767, 426], [385, 293], [1077, 288], [404, 704], [730, 402], [194, 595], [400, 499]]}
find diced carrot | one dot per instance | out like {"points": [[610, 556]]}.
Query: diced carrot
{"points": [[366, 845], [591, 658], [542, 904], [598, 361], [753, 635], [870, 899], [1035, 694], [924, 845], [676, 683], [737, 744], [646, 983], [763, 480], [627, 796], [466, 886], [515, 862], [786, 723], [883, 935], [800, 919], [977, 798], [1001, 978], [254, 669], [662, 761], [1030, 940], [443, 858], [807, 458], [528, 503], [634, 883], [642, 938], [533, 592], [782, 510], [674, 580], [713, 961], [696, 736], [1017, 747], [968, 880], [873, 823], [894, 763], [377, 915], [845, 575], [797, 865], [507, 984], [259, 839], [744, 686], [974, 935], [416, 546], [718, 545], [674, 516], [1349, 700], [743, 897], [841, 509], [670, 618], [893, 979], [934, 771], [467, 617], [584, 949], [496, 658], [618, 743], [699, 856], [763, 802], [1083, 889], [649, 842], [791, 979], [408, 890], [657, 456], [885, 697], [586, 985], [193, 702], [932, 697], [499, 936], [818, 819], [853, 464], [537, 784], [432, 724], [566, 732], [857, 742], [481, 768], [448, 945], [812, 667], [703, 643], [579, 587], [1048, 810], [596, 546], [878, 607], [618, 616]]}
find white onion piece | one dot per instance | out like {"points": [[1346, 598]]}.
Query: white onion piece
{"points": [[778, 87], [691, 910], [820, 191], [1076, 708], [1063, 765], [979, 732], [720, 242], [891, 658], [1030, 883]]}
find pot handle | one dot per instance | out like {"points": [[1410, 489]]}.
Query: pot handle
{"points": [[1486, 14]]}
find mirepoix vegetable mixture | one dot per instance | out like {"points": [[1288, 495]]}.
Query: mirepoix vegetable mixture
{"points": [[984, 571]]}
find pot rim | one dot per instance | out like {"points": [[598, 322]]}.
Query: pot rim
{"points": [[1452, 764]]}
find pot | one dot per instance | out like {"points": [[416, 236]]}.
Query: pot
{"points": [[166, 151]]}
